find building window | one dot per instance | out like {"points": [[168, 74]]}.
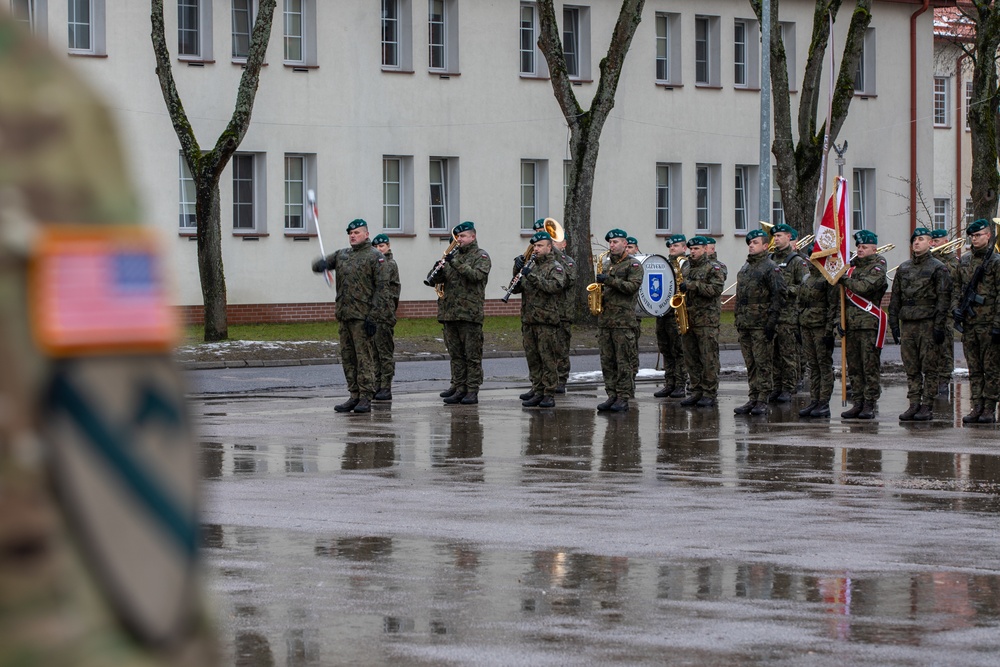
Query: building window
{"points": [[532, 63], [941, 101], [740, 199], [188, 194], [442, 35], [968, 103], [194, 29], [300, 32], [777, 211], [248, 192], [864, 75], [941, 206], [300, 177], [443, 180], [863, 200], [707, 199], [533, 192], [786, 30], [396, 22], [31, 14], [668, 48], [85, 23], [666, 194], [397, 193], [746, 54], [242, 16], [706, 50], [576, 41]]}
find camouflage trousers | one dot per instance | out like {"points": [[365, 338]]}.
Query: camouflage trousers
{"points": [[384, 348], [864, 364], [916, 346], [543, 350], [565, 341], [946, 356], [818, 360], [701, 357], [357, 358], [668, 342], [619, 358], [758, 354], [983, 358], [464, 341], [635, 359], [785, 348]]}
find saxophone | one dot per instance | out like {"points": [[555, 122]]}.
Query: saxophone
{"points": [[679, 300], [594, 289]]}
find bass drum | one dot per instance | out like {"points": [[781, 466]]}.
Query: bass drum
{"points": [[658, 284]]}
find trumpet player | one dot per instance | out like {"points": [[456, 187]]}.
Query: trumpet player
{"points": [[543, 282], [668, 337], [463, 273], [620, 280], [945, 355], [704, 280]]}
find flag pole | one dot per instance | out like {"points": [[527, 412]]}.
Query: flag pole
{"points": [[314, 214], [843, 300]]}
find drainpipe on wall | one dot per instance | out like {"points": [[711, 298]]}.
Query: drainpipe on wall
{"points": [[913, 113], [959, 135]]}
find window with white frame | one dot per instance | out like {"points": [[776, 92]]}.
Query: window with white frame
{"points": [[249, 193], [777, 210], [300, 32], [668, 48], [941, 115], [194, 29], [667, 195], [188, 196], [528, 40], [746, 53], [741, 199], [941, 206], [300, 177], [534, 195], [786, 31], [708, 202], [85, 25], [706, 50], [442, 35], [32, 14], [443, 181], [397, 193], [396, 35], [243, 13], [863, 200], [968, 103], [864, 75], [576, 41]]}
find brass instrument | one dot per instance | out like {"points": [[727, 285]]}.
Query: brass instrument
{"points": [[679, 300], [555, 230], [944, 248], [436, 269], [594, 289], [796, 245]]}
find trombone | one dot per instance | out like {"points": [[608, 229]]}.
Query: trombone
{"points": [[555, 230], [798, 244], [943, 249]]}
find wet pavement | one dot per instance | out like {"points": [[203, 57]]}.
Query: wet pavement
{"points": [[497, 535]]}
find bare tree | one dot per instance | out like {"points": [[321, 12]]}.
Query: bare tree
{"points": [[799, 165], [585, 125], [206, 167]]}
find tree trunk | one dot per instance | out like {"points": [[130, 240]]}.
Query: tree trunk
{"points": [[210, 268], [983, 114]]}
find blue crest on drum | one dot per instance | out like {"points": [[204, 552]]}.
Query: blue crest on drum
{"points": [[654, 285]]}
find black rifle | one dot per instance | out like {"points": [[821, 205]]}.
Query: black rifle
{"points": [[967, 306]]}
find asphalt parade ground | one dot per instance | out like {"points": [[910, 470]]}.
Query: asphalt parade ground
{"points": [[492, 534]]}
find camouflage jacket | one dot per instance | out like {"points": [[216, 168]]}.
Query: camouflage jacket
{"points": [[359, 279], [921, 290], [987, 314], [725, 269], [868, 281], [543, 291], [794, 270], [567, 305], [620, 292], [760, 293], [464, 279], [819, 304], [388, 299], [704, 278]]}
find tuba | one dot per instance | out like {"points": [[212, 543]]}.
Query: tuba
{"points": [[594, 288], [679, 300]]}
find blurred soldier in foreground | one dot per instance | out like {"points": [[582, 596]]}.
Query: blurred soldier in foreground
{"points": [[385, 321], [668, 337], [360, 282], [620, 279], [98, 467]]}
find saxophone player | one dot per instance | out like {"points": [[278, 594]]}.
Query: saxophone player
{"points": [[668, 337], [704, 280]]}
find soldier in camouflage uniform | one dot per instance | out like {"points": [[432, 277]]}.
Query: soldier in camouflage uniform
{"points": [[668, 337], [61, 164], [463, 274], [819, 313], [632, 249], [384, 315], [918, 312], [543, 283], [704, 280], [867, 279], [360, 281], [567, 313], [620, 279], [759, 298], [787, 339], [946, 355], [981, 327]]}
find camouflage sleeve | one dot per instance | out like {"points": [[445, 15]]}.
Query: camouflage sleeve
{"points": [[832, 309], [956, 287], [477, 269], [943, 290], [993, 277], [551, 281], [630, 282], [712, 284], [379, 275], [866, 283], [778, 290], [895, 302], [800, 272]]}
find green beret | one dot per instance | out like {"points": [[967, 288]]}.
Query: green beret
{"points": [[616, 234], [976, 226], [920, 231], [676, 238], [697, 240], [709, 240], [782, 227], [755, 234], [357, 222], [467, 226], [539, 224], [939, 234], [631, 240], [864, 236], [540, 236], [381, 238]]}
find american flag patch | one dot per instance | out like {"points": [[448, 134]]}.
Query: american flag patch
{"points": [[100, 289]]}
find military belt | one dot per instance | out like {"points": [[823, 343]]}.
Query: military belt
{"points": [[919, 302]]}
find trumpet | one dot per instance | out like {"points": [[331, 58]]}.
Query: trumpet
{"points": [[555, 230], [679, 300], [594, 289]]}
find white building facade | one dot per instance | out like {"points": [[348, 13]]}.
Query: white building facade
{"points": [[418, 114]]}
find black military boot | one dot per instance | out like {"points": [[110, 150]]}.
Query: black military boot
{"points": [[854, 411], [706, 402], [910, 413], [547, 402], [561, 388], [973, 416], [528, 395], [807, 411], [456, 397], [383, 395], [678, 392], [745, 408], [533, 401], [821, 410], [471, 398], [692, 399], [759, 408], [606, 405], [867, 410], [924, 414], [364, 405], [783, 397], [943, 388], [347, 405], [447, 393], [773, 396], [621, 405], [988, 415], [665, 392]]}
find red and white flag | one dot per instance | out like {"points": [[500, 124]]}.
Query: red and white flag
{"points": [[832, 247]]}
